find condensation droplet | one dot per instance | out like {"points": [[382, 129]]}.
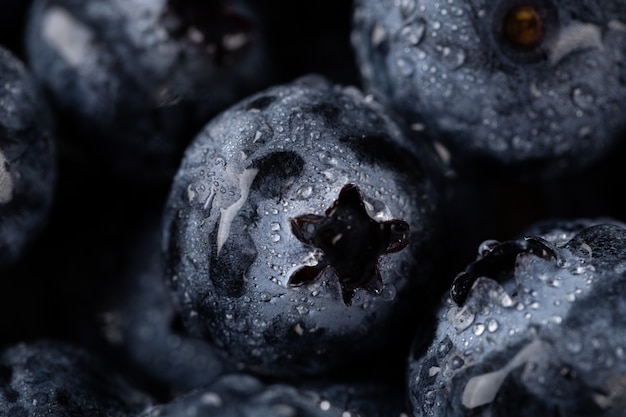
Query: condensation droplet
{"points": [[407, 7], [620, 268], [413, 33], [583, 98], [405, 66], [461, 318], [304, 192], [457, 362], [479, 329], [492, 325]]}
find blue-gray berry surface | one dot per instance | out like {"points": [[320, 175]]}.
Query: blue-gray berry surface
{"points": [[533, 87], [27, 159], [51, 378], [134, 80], [524, 330], [301, 229]]}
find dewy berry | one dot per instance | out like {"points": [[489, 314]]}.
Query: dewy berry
{"points": [[524, 331], [532, 87], [27, 159], [300, 231], [133, 81], [140, 324], [244, 395], [51, 378]]}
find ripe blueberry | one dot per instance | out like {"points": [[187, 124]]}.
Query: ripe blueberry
{"points": [[300, 231], [524, 330], [27, 159], [133, 81], [533, 87], [50, 378]]}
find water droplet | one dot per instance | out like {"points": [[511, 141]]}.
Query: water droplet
{"points": [[407, 7], [405, 66], [275, 226], [492, 325], [479, 328], [583, 97], [461, 318], [413, 33], [453, 57], [620, 268], [304, 192], [275, 237], [389, 292], [457, 362], [302, 309], [504, 299], [379, 35]]}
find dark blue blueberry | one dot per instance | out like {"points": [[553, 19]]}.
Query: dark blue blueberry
{"points": [[536, 88], [51, 378], [241, 395], [302, 230], [141, 326], [525, 330], [134, 81], [27, 159]]}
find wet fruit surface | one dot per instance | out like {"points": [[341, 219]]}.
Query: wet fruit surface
{"points": [[291, 232], [532, 87], [349, 208], [526, 329]]}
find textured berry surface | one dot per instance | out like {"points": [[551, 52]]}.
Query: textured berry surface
{"points": [[299, 228], [134, 80], [27, 158], [536, 87], [141, 326], [524, 329], [49, 378], [240, 395], [258, 208]]}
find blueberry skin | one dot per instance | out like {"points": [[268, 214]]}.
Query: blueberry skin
{"points": [[134, 81], [241, 395], [537, 111], [52, 378], [539, 331], [241, 273], [27, 159], [142, 326]]}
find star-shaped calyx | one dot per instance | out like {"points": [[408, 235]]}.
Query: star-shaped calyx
{"points": [[351, 241]]}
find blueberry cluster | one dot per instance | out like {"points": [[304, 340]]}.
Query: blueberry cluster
{"points": [[351, 208]]}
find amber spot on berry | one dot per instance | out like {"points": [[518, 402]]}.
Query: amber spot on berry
{"points": [[523, 26]]}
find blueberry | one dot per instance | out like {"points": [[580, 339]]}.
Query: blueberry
{"points": [[302, 230], [534, 87], [241, 395], [52, 378], [140, 324], [524, 330], [133, 81], [27, 159]]}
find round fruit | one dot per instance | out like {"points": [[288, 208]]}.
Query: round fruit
{"points": [[300, 230]]}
